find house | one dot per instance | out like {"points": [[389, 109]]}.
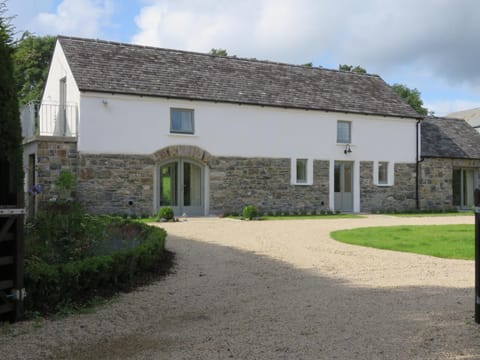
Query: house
{"points": [[449, 165], [144, 127], [472, 116]]}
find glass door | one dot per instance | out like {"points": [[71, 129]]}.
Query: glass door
{"points": [[463, 182], [181, 187], [192, 189], [343, 186]]}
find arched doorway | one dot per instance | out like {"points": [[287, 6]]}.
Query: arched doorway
{"points": [[181, 185]]}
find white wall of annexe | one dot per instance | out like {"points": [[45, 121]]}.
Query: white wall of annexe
{"points": [[123, 124], [59, 68]]}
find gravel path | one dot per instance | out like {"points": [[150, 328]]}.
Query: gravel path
{"points": [[276, 290]]}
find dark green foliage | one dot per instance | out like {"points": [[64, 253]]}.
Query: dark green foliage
{"points": [[10, 128], [66, 180], [165, 213], [73, 256], [51, 286], [249, 212], [32, 59], [63, 232], [218, 52], [358, 69], [412, 97], [65, 183]]}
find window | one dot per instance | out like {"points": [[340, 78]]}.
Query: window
{"points": [[302, 171], [344, 135], [181, 121], [383, 173]]}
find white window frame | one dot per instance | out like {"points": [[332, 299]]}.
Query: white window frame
{"points": [[390, 173], [309, 172], [349, 123], [180, 131]]}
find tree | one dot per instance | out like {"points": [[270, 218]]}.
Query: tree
{"points": [[412, 97], [218, 52], [10, 129], [32, 59], [357, 69]]}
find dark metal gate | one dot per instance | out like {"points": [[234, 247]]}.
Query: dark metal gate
{"points": [[12, 291]]}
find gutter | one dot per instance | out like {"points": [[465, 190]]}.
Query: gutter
{"points": [[419, 160]]}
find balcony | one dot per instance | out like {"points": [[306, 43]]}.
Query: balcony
{"points": [[49, 119]]}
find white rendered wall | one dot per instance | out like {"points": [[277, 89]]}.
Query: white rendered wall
{"points": [[141, 125], [59, 69]]}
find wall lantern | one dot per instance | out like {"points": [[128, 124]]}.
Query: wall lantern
{"points": [[105, 102], [347, 149]]}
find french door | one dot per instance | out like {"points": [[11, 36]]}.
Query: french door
{"points": [[181, 187], [463, 187], [343, 186]]}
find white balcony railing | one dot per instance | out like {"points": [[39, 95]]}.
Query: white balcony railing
{"points": [[49, 119]]}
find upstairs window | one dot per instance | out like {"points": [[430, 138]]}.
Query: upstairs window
{"points": [[344, 132], [181, 121], [302, 171]]}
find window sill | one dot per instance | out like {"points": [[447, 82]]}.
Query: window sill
{"points": [[302, 184], [182, 135], [384, 185], [344, 144]]}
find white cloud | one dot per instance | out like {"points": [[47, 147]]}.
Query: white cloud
{"points": [[75, 17], [445, 107], [436, 36]]}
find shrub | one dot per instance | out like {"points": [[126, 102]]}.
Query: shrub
{"points": [[51, 286], [62, 232], [166, 213], [65, 183], [249, 212], [71, 256]]}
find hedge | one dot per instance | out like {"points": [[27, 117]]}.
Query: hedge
{"points": [[51, 286]]}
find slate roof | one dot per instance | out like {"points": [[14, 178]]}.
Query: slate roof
{"points": [[449, 138], [102, 66]]}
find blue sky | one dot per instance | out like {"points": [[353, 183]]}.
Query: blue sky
{"points": [[431, 45]]}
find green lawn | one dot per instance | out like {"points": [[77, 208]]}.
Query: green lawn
{"points": [[445, 241], [459, 213], [312, 217]]}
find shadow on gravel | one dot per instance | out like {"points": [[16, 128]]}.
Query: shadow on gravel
{"points": [[242, 305]]}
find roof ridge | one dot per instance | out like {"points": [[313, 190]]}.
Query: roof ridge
{"points": [[230, 57]]}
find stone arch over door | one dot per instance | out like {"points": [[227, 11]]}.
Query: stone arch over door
{"points": [[182, 179], [182, 151]]}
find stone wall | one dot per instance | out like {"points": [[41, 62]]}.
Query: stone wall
{"points": [[265, 183], [436, 188], [116, 184], [125, 183], [53, 156], [399, 197]]}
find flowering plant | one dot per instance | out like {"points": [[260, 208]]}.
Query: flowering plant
{"points": [[35, 190]]}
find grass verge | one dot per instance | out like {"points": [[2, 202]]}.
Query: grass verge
{"points": [[313, 217], [444, 241], [463, 213]]}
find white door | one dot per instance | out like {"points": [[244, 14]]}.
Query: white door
{"points": [[343, 186]]}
